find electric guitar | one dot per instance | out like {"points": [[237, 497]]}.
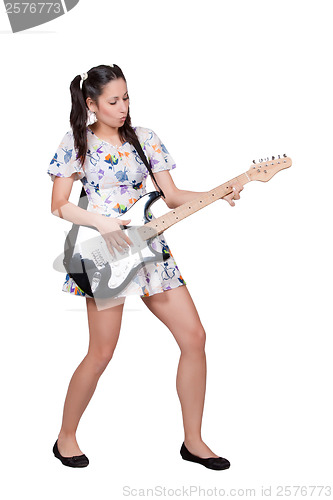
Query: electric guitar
{"points": [[102, 275]]}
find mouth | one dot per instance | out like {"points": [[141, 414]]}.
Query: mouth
{"points": [[123, 118]]}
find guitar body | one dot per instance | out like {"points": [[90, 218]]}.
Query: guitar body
{"points": [[93, 268]]}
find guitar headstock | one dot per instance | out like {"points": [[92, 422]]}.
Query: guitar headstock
{"points": [[266, 168]]}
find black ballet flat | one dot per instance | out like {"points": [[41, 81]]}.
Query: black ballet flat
{"points": [[215, 463], [75, 461]]}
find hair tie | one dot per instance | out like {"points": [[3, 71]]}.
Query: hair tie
{"points": [[84, 76]]}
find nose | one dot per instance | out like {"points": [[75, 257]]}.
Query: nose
{"points": [[124, 106]]}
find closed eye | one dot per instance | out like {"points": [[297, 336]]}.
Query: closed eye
{"points": [[125, 99]]}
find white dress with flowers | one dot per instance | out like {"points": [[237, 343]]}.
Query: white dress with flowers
{"points": [[114, 178]]}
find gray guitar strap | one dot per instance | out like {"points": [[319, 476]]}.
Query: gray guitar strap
{"points": [[145, 161]]}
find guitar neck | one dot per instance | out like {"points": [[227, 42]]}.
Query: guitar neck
{"points": [[160, 224]]}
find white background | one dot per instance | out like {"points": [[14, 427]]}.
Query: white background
{"points": [[221, 83]]}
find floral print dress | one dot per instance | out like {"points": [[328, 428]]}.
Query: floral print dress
{"points": [[114, 178]]}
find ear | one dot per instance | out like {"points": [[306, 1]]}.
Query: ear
{"points": [[91, 104]]}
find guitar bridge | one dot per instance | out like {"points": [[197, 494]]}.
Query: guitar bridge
{"points": [[98, 258]]}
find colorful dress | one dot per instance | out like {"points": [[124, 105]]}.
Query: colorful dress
{"points": [[114, 178]]}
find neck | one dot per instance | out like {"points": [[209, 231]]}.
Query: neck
{"points": [[103, 130]]}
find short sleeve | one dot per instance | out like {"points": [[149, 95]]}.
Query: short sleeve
{"points": [[159, 157], [64, 162]]}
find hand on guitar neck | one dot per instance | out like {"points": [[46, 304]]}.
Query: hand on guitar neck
{"points": [[237, 188]]}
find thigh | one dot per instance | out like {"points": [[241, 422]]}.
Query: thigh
{"points": [[104, 327], [176, 309]]}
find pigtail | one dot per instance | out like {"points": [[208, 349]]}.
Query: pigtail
{"points": [[78, 118]]}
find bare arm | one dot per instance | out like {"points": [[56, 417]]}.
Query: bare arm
{"points": [[109, 227], [175, 197], [61, 207]]}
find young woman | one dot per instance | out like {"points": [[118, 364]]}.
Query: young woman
{"points": [[114, 178]]}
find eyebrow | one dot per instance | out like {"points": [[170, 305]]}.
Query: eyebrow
{"points": [[116, 97]]}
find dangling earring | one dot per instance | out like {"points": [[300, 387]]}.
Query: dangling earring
{"points": [[91, 117]]}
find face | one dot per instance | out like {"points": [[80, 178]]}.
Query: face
{"points": [[113, 104]]}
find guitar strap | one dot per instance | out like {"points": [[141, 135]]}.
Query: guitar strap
{"points": [[83, 203], [143, 157]]}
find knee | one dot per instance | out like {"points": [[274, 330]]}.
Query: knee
{"points": [[99, 359], [195, 340]]}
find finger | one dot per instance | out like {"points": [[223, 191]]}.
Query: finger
{"points": [[122, 233], [126, 238], [118, 242], [110, 248], [122, 239], [119, 236], [236, 195], [130, 242], [121, 243], [228, 198], [114, 239]]}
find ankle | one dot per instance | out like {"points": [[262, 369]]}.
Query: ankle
{"points": [[67, 435], [193, 439]]}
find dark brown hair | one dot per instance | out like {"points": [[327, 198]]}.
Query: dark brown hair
{"points": [[93, 87]]}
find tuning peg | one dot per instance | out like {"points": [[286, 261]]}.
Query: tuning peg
{"points": [[254, 161], [273, 157], [261, 160], [285, 155]]}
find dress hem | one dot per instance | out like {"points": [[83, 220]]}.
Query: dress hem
{"points": [[124, 296]]}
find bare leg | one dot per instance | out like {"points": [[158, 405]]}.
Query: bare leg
{"points": [[175, 308], [104, 329]]}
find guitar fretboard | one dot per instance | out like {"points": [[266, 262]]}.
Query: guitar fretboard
{"points": [[160, 224]]}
